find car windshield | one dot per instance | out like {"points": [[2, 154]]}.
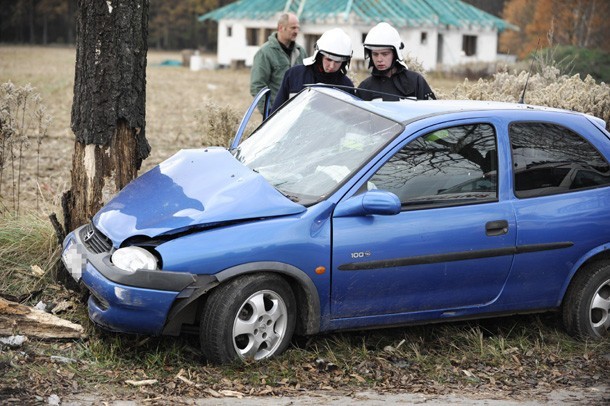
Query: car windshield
{"points": [[315, 143]]}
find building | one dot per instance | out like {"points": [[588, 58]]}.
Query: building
{"points": [[439, 33]]}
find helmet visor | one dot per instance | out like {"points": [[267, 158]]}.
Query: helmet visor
{"points": [[335, 57], [378, 47]]}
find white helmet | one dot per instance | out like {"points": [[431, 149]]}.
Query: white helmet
{"points": [[383, 35], [334, 44]]}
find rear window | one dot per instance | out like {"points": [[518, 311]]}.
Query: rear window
{"points": [[550, 159]]}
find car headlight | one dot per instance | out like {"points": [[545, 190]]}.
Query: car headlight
{"points": [[131, 259]]}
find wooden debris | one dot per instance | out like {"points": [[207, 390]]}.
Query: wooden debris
{"points": [[16, 318]]}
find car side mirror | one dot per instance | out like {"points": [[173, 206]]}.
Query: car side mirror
{"points": [[379, 202]]}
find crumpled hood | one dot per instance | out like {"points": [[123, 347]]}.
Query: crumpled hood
{"points": [[194, 187]]}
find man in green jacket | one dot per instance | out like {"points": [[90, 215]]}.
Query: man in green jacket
{"points": [[276, 56]]}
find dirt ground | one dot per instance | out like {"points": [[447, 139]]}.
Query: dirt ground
{"points": [[574, 396]]}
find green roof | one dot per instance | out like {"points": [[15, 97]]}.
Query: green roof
{"points": [[399, 13]]}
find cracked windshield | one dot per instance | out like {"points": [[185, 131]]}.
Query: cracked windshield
{"points": [[310, 147]]}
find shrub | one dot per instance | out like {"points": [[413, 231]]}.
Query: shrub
{"points": [[546, 88], [571, 59], [22, 117], [217, 124]]}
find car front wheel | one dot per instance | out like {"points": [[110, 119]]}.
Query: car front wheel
{"points": [[586, 309], [250, 317]]}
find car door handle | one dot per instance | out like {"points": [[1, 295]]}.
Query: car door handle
{"points": [[498, 227]]}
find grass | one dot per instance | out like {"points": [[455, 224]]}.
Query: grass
{"points": [[28, 253], [498, 357]]}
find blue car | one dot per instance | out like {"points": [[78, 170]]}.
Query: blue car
{"points": [[337, 213]]}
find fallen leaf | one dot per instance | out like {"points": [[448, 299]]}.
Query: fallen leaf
{"points": [[37, 271], [358, 378], [62, 306]]}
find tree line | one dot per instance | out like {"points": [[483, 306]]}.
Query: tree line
{"points": [[173, 24]]}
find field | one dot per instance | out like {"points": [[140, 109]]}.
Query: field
{"points": [[519, 358], [175, 99], [174, 95]]}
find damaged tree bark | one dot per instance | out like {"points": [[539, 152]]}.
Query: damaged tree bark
{"points": [[108, 111]]}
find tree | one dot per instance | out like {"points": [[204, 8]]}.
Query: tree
{"points": [[519, 13], [581, 23], [108, 111], [493, 7]]}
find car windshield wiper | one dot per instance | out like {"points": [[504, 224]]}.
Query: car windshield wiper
{"points": [[286, 195]]}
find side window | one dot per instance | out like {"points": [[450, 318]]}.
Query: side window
{"points": [[456, 165], [550, 159]]}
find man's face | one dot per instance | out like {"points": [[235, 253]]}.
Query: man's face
{"points": [[289, 31], [382, 58], [329, 65]]}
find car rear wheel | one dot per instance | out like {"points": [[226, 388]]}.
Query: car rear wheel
{"points": [[251, 317], [586, 308]]}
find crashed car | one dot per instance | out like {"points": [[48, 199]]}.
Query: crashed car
{"points": [[336, 213]]}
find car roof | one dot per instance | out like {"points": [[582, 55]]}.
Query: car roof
{"points": [[408, 110]]}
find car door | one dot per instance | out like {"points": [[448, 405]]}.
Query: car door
{"points": [[562, 203], [450, 247]]}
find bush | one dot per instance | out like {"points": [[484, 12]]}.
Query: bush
{"points": [[218, 124], [546, 88], [23, 117], [571, 59]]}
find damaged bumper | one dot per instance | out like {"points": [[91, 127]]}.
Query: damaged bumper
{"points": [[121, 301]]}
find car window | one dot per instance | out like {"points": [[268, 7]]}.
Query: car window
{"points": [[550, 159], [456, 165]]}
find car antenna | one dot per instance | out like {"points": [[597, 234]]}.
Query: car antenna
{"points": [[529, 72]]}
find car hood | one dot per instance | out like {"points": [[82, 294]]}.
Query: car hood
{"points": [[194, 188]]}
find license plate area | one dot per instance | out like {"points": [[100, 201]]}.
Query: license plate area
{"points": [[74, 260]]}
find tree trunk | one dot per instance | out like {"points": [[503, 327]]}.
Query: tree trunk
{"points": [[108, 111], [31, 22]]}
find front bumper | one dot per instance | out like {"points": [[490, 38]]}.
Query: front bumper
{"points": [[136, 302]]}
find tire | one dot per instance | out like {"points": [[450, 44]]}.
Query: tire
{"points": [[586, 307], [250, 317]]}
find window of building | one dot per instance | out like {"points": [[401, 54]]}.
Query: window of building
{"points": [[550, 159], [453, 166], [229, 31], [252, 36], [469, 45], [423, 38]]}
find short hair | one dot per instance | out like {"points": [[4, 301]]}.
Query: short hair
{"points": [[285, 18]]}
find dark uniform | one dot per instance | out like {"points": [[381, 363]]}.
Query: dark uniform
{"points": [[403, 83], [298, 76]]}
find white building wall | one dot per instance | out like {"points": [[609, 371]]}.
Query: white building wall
{"points": [[416, 47], [487, 43], [235, 48]]}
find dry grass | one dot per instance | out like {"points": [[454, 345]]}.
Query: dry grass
{"points": [[174, 97], [176, 101]]}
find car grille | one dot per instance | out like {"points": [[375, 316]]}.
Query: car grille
{"points": [[94, 240]]}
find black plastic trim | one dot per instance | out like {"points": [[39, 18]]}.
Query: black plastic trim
{"points": [[453, 256]]}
